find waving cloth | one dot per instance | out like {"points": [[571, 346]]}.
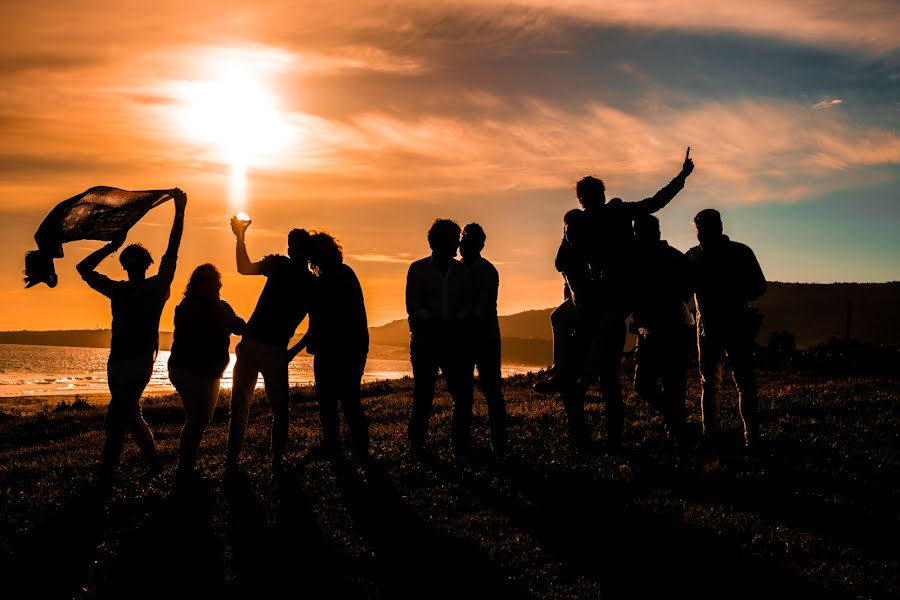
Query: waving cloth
{"points": [[96, 214]]}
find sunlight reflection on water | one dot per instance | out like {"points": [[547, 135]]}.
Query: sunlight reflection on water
{"points": [[54, 370]]}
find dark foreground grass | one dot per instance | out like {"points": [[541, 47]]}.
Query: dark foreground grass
{"points": [[815, 515]]}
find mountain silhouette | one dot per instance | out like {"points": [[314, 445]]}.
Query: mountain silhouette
{"points": [[813, 312]]}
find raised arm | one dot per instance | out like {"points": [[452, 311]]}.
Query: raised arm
{"points": [[244, 265], [170, 258], [661, 198], [87, 268]]}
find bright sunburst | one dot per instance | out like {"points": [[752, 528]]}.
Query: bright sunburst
{"points": [[235, 113]]}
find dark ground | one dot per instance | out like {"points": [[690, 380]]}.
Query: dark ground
{"points": [[815, 515]]}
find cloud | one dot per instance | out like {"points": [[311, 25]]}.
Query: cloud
{"points": [[750, 150], [828, 103], [868, 25], [402, 258]]}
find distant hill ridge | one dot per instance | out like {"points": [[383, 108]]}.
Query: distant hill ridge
{"points": [[813, 312]]}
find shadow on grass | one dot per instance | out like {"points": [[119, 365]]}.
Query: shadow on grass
{"points": [[175, 552], [290, 558], [53, 560], [593, 527], [412, 559]]}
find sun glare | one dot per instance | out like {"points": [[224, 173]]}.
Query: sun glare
{"points": [[237, 116]]}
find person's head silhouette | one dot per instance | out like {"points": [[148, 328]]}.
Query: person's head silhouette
{"points": [[39, 269], [135, 259], [443, 238], [708, 223], [325, 252], [591, 192], [298, 241], [472, 242], [646, 229], [204, 284]]}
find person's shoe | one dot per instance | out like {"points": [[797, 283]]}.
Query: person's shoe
{"points": [[551, 385]]}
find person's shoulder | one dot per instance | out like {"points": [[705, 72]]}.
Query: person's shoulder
{"points": [[739, 248], [486, 265], [274, 264], [672, 251], [694, 253], [459, 266], [275, 260], [347, 271], [420, 264]]}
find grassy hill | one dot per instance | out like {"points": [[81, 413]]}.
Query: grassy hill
{"points": [[813, 516]]}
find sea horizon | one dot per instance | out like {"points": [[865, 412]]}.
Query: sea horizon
{"points": [[37, 370]]}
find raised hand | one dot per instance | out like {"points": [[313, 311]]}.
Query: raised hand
{"points": [[118, 240], [688, 167], [180, 199], [239, 226]]}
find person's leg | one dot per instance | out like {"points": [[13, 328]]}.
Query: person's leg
{"points": [[328, 376], [647, 370], [563, 321], [116, 422], [275, 376], [740, 355], [140, 431], [351, 405], [425, 369], [673, 373], [611, 343], [491, 381], [199, 395], [244, 376], [458, 368], [710, 357]]}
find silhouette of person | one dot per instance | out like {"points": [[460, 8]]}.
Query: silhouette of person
{"points": [[338, 337], [485, 331], [137, 305], [203, 327], [282, 305], [438, 300], [571, 264], [579, 314], [663, 325], [611, 251], [725, 276]]}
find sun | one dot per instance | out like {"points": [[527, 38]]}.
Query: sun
{"points": [[235, 114]]}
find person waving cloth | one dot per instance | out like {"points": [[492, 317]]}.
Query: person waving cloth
{"points": [[100, 213]]}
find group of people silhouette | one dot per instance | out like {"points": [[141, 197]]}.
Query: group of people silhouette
{"points": [[613, 263]]}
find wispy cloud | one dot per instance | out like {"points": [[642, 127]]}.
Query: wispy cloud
{"points": [[869, 25], [757, 150], [402, 258], [828, 103]]}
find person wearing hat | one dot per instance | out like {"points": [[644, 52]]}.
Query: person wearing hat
{"points": [[725, 276]]}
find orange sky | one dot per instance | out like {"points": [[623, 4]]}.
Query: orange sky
{"points": [[371, 119]]}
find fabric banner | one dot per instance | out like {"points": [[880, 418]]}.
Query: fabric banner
{"points": [[96, 214]]}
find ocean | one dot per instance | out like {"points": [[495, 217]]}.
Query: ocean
{"points": [[57, 370]]}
